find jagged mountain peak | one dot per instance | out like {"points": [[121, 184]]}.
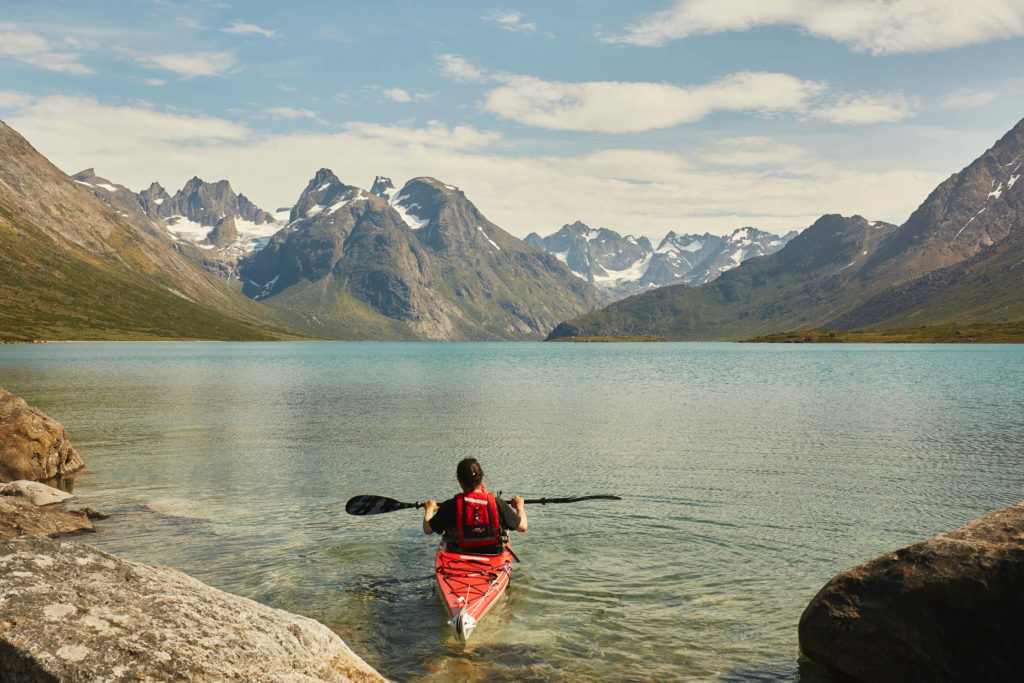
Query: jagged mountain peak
{"points": [[382, 187], [324, 194]]}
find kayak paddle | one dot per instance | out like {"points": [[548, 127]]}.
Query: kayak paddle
{"points": [[375, 505]]}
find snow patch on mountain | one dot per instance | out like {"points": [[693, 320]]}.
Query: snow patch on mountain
{"points": [[405, 212]]}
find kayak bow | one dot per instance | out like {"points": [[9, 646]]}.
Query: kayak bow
{"points": [[470, 585]]}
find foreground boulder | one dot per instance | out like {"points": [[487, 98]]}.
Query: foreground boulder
{"points": [[71, 612], [947, 609], [32, 445]]}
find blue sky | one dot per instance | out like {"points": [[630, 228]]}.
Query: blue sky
{"points": [[643, 117]]}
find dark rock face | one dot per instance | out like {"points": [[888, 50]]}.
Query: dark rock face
{"points": [[947, 609], [382, 187], [32, 445], [423, 265], [203, 203], [70, 612]]}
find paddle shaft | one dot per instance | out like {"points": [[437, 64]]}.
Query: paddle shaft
{"points": [[373, 505]]}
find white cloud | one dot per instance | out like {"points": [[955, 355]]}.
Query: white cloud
{"points": [[875, 26], [511, 20], [866, 108], [239, 28], [291, 113], [12, 99], [753, 151], [396, 95], [155, 81], [457, 68], [30, 48], [964, 99], [403, 95], [434, 135], [615, 107], [83, 124], [192, 64], [642, 192]]}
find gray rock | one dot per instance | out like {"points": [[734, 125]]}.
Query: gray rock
{"points": [[32, 445], [71, 612], [34, 492], [950, 608]]}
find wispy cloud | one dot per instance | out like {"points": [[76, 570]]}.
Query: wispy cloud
{"points": [[631, 107], [290, 113], [511, 20], [876, 26], [239, 28], [618, 107], [403, 95], [192, 64], [965, 99], [459, 69], [867, 108], [155, 81], [12, 99], [30, 48], [753, 150]]}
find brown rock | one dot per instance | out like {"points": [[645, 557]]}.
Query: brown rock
{"points": [[32, 445], [18, 517], [950, 608]]}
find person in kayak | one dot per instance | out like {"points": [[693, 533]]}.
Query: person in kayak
{"points": [[475, 520]]}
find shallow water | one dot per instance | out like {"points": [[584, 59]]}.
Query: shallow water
{"points": [[750, 474]]}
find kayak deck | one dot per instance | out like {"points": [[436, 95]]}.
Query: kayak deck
{"points": [[470, 584]]}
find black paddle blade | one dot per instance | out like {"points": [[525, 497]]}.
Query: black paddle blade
{"points": [[375, 505]]}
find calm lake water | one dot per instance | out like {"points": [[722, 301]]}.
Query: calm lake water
{"points": [[750, 475]]}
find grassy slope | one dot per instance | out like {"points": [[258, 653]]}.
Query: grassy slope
{"points": [[996, 333], [63, 292]]}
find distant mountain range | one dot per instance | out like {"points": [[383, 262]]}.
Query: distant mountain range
{"points": [[622, 266], [342, 263], [86, 258], [959, 258]]}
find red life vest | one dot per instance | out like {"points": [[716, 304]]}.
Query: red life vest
{"points": [[476, 519]]}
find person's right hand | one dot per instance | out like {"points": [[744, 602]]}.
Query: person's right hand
{"points": [[430, 507]]}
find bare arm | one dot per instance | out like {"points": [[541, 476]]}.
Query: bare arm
{"points": [[521, 511], [429, 509]]}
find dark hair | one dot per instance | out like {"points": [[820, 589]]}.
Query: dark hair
{"points": [[469, 472]]}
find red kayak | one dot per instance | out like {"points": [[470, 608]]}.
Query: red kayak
{"points": [[470, 584]]}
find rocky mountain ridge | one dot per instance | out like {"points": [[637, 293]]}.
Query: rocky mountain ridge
{"points": [[419, 262], [623, 266], [208, 217], [959, 258]]}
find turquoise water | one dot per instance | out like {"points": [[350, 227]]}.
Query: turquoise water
{"points": [[750, 474]]}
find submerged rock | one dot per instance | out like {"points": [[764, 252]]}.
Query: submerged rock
{"points": [[32, 445], [71, 612], [950, 608], [19, 517]]}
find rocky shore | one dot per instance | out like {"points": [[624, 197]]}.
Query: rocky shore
{"points": [[70, 612], [950, 608]]}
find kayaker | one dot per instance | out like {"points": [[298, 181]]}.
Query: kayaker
{"points": [[484, 516]]}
